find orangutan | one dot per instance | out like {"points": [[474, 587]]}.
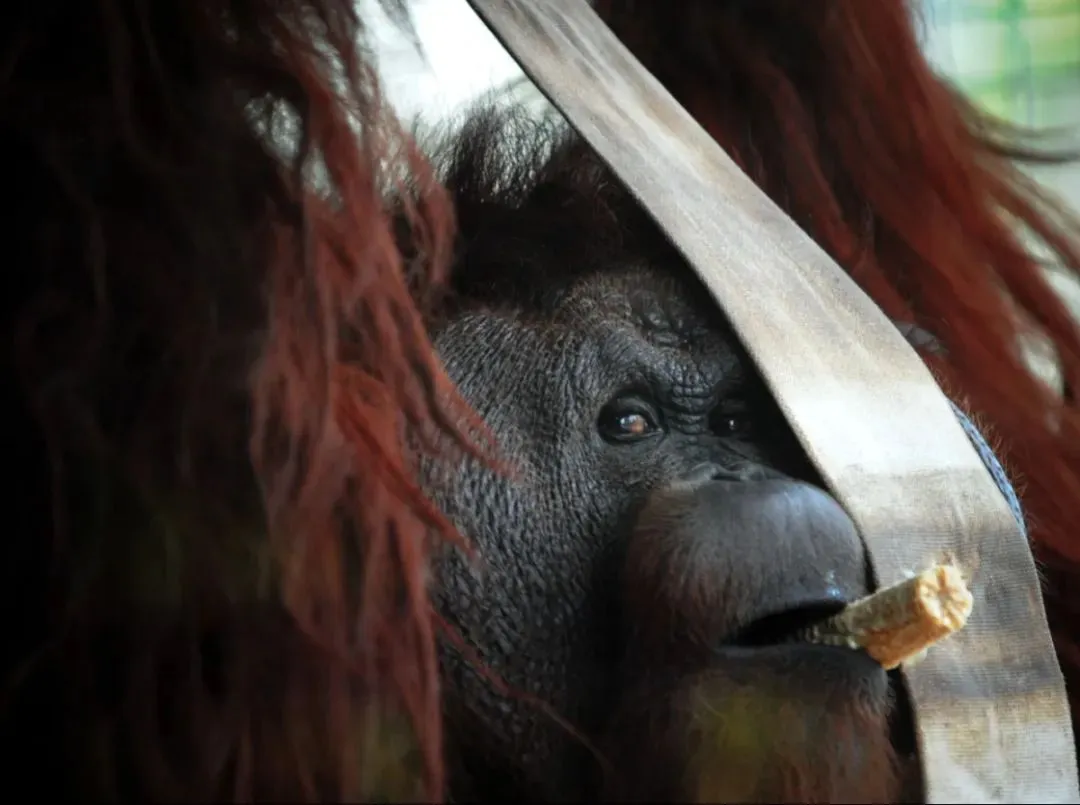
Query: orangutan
{"points": [[242, 400]]}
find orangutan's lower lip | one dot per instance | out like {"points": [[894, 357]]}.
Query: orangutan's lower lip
{"points": [[789, 626]]}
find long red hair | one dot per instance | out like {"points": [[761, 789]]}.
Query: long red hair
{"points": [[221, 363]]}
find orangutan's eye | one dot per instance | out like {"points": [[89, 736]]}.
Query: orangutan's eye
{"points": [[739, 426], [628, 419]]}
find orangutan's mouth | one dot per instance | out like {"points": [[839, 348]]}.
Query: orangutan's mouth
{"points": [[788, 626]]}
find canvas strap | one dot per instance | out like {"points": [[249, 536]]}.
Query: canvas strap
{"points": [[991, 714]]}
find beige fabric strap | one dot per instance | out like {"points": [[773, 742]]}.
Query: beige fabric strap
{"points": [[990, 708]]}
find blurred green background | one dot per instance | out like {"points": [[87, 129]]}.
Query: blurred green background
{"points": [[1020, 59]]}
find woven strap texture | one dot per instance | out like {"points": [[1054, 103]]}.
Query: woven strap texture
{"points": [[990, 711]]}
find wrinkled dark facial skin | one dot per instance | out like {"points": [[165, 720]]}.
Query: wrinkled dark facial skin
{"points": [[656, 535], [659, 512]]}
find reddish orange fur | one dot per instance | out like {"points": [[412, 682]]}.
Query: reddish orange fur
{"points": [[148, 224], [155, 227], [821, 748]]}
